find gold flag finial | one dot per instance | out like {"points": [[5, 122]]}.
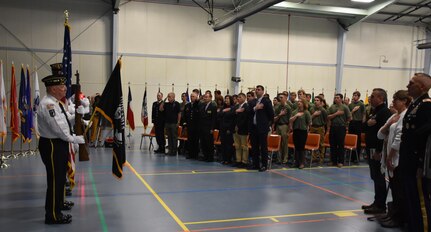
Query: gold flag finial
{"points": [[66, 16]]}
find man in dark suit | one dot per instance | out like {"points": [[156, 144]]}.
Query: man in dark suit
{"points": [[191, 123], [158, 119], [261, 115], [378, 118], [207, 119]]}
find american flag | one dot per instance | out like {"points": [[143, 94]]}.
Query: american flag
{"points": [[67, 60]]}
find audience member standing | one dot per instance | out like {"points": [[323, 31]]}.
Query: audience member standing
{"points": [[241, 132], [355, 126], [299, 123], [283, 112], [172, 112], [379, 115], [158, 119], [261, 115], [412, 154], [207, 119], [339, 115]]}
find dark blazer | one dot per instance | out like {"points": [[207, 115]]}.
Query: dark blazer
{"points": [[207, 117], [157, 116], [241, 120], [228, 120], [381, 114], [264, 117], [190, 116]]}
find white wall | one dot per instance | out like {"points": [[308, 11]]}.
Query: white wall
{"points": [[164, 44]]}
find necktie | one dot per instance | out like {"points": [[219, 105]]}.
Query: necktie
{"points": [[67, 119]]}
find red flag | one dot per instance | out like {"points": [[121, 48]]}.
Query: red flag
{"points": [[13, 104], [130, 117], [144, 111], [71, 166]]}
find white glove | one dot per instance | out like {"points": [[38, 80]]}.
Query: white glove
{"points": [[80, 110], [78, 139]]}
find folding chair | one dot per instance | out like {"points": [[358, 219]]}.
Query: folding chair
{"points": [[274, 142], [326, 143], [182, 136], [150, 135], [312, 144], [350, 144]]}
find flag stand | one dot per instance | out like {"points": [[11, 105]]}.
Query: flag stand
{"points": [[3, 158], [22, 153]]}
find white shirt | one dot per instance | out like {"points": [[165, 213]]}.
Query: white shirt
{"points": [[52, 122], [393, 141]]}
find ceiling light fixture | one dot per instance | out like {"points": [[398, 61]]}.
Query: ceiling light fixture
{"points": [[362, 1]]}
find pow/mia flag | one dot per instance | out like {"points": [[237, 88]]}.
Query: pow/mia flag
{"points": [[111, 108]]}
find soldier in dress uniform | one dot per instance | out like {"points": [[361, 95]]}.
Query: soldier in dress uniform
{"points": [[158, 119], [412, 152], [191, 122], [55, 128]]}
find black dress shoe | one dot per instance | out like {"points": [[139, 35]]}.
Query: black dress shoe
{"points": [[391, 224], [69, 203], [375, 210], [367, 206], [63, 219], [262, 169], [66, 207]]}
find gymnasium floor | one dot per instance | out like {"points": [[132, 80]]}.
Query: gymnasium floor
{"points": [[159, 193]]}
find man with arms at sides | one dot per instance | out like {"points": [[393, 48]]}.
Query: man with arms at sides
{"points": [[55, 128], [379, 115], [158, 119], [355, 126], [172, 111], [338, 117], [412, 154], [261, 114]]}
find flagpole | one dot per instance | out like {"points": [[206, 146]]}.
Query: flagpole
{"points": [[129, 135], [3, 158], [172, 87]]}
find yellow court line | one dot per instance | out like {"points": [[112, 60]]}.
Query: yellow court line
{"points": [[342, 212], [165, 206], [274, 220]]}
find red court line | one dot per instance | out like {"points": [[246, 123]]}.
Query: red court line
{"points": [[274, 224], [320, 188]]}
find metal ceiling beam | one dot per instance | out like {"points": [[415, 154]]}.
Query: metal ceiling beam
{"points": [[241, 12], [408, 10], [395, 13]]}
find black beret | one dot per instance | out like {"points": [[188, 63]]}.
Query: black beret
{"points": [[57, 77]]}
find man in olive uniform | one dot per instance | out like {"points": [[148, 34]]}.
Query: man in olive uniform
{"points": [[355, 126], [412, 152], [55, 129], [338, 116], [191, 122], [281, 120], [207, 120], [319, 118], [158, 119]]}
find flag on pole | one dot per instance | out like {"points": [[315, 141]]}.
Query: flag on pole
{"points": [[111, 108], [312, 96], [366, 98], [71, 166], [227, 91], [36, 101], [29, 120], [3, 106], [13, 104], [187, 94], [144, 111], [67, 60], [130, 117], [23, 106]]}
